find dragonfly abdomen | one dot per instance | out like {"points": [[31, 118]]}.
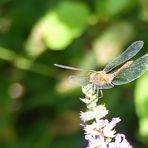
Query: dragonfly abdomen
{"points": [[126, 65]]}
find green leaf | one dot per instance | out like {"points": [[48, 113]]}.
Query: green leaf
{"points": [[141, 103], [65, 23]]}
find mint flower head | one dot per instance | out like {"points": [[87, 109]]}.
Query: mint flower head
{"points": [[99, 131]]}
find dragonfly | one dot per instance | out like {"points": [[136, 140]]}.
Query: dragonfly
{"points": [[108, 77]]}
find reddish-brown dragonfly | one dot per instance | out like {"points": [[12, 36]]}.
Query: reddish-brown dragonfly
{"points": [[107, 78]]}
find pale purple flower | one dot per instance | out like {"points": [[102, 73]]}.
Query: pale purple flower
{"points": [[97, 113], [95, 142], [120, 142], [99, 131]]}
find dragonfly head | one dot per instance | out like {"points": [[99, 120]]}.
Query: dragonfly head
{"points": [[91, 75]]}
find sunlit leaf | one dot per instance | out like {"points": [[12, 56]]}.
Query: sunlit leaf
{"points": [[64, 23]]}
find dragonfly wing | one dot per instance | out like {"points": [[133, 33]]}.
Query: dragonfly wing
{"points": [[131, 51], [106, 86], [70, 68], [82, 81], [137, 69], [79, 80]]}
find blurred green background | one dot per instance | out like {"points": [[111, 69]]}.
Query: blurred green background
{"points": [[39, 107]]}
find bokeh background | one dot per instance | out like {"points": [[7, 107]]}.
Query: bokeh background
{"points": [[39, 107]]}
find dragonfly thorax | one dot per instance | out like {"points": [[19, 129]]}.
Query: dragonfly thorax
{"points": [[100, 78]]}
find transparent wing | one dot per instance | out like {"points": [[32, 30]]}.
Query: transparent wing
{"points": [[131, 51], [70, 68], [79, 80], [82, 81], [105, 86], [137, 69]]}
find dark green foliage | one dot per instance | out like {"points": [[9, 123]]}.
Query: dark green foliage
{"points": [[39, 107]]}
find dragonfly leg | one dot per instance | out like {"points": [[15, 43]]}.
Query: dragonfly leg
{"points": [[97, 91], [101, 93], [93, 88]]}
